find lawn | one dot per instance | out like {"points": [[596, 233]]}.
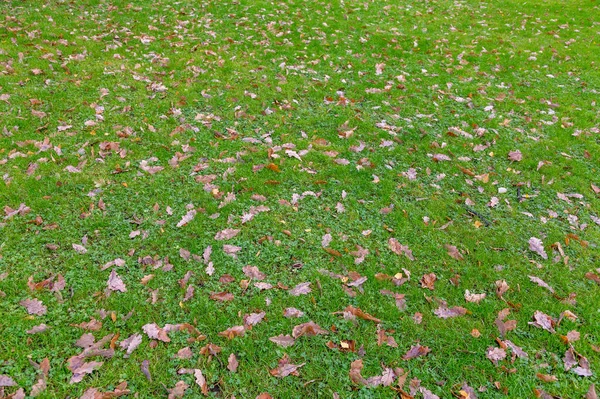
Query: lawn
{"points": [[339, 199]]}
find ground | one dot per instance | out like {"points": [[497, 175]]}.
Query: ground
{"points": [[299, 198]]}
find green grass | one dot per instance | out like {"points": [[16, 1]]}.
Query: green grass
{"points": [[514, 75]]}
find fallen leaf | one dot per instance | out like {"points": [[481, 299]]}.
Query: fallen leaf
{"points": [[34, 307], [285, 368], [307, 329], [232, 363], [115, 283], [453, 252], [283, 340], [536, 245], [416, 351]]}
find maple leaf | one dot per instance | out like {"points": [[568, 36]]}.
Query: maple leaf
{"points": [[536, 245]]}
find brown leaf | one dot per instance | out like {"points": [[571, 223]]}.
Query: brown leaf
{"points": [[546, 377], [201, 381], [416, 351], [541, 283], [472, 297], [92, 325], [357, 312], [300, 289], [253, 319], [115, 283], [283, 340], [515, 156], [446, 313], [495, 354], [145, 368], [226, 234], [232, 363], [536, 245], [453, 252], [309, 329], [292, 312], [130, 344], [221, 296], [501, 287], [155, 332], [285, 368], [6, 381], [591, 393], [83, 369], [178, 391], [593, 276], [253, 272], [34, 307], [400, 249], [428, 281], [355, 372], [232, 332], [542, 320]]}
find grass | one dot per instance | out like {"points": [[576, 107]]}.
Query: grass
{"points": [[235, 79]]}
